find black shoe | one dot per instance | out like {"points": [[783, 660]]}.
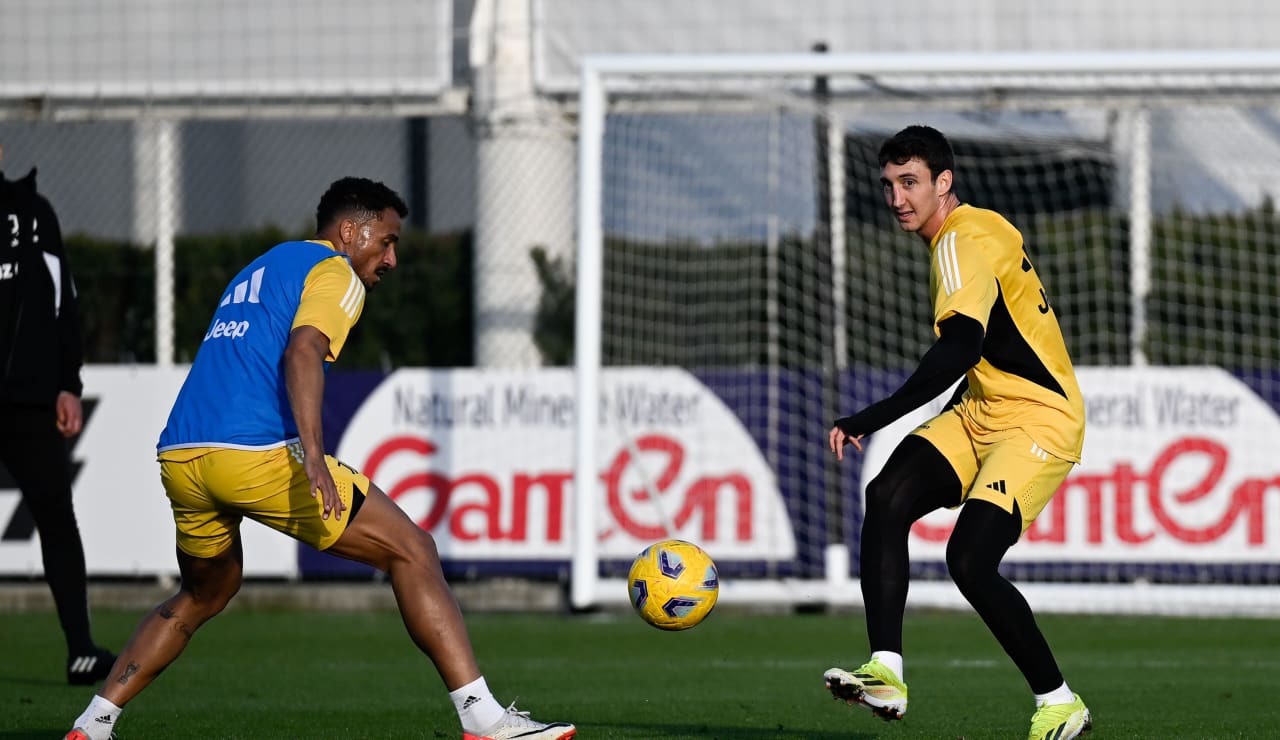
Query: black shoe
{"points": [[83, 670]]}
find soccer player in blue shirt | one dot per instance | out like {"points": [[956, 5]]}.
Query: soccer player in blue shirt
{"points": [[244, 439]]}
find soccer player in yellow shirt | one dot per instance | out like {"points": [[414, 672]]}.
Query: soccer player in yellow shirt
{"points": [[1010, 435], [244, 439]]}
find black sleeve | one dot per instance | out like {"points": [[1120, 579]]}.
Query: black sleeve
{"points": [[67, 322], [961, 387], [959, 347]]}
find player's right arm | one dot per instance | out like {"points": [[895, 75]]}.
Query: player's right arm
{"points": [[964, 288], [958, 348]]}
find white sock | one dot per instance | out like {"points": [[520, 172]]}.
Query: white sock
{"points": [[477, 709], [98, 719], [1060, 695], [892, 661]]}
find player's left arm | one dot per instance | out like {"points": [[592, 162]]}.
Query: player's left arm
{"points": [[304, 359], [961, 388], [331, 302]]}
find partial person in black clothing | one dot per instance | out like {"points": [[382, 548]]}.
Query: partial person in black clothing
{"points": [[40, 359]]}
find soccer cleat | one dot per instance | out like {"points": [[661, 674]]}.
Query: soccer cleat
{"points": [[1061, 721], [873, 686], [516, 725], [83, 670]]}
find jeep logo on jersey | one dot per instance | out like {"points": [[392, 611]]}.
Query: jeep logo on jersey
{"points": [[231, 329]]}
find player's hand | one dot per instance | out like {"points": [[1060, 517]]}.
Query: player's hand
{"points": [[70, 414], [838, 439], [322, 482]]}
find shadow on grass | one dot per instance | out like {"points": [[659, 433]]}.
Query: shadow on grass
{"points": [[52, 732], [717, 732], [20, 680]]}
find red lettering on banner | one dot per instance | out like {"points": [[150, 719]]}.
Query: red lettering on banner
{"points": [[702, 494], [490, 509], [1125, 477], [553, 484], [1051, 525], [1162, 501], [700, 497], [481, 518], [930, 532]]}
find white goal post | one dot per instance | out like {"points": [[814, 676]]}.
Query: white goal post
{"points": [[1124, 115]]}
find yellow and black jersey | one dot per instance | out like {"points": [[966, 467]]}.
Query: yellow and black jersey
{"points": [[979, 268]]}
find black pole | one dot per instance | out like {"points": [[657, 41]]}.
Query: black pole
{"points": [[419, 175]]}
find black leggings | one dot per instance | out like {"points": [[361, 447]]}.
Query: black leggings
{"points": [[916, 480], [35, 453]]}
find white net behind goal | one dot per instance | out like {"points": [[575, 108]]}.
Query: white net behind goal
{"points": [[742, 237]]}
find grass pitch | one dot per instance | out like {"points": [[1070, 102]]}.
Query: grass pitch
{"points": [[290, 674]]}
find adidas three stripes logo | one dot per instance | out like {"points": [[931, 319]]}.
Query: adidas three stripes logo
{"points": [[83, 664], [245, 290], [948, 265], [248, 291]]}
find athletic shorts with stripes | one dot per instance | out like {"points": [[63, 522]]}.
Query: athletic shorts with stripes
{"points": [[997, 466], [211, 489]]}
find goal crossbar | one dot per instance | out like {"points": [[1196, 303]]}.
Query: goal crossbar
{"points": [[1147, 73]]}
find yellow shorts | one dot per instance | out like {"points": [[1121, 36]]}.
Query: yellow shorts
{"points": [[1000, 467], [211, 489]]}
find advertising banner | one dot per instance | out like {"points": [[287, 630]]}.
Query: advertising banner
{"points": [[483, 459], [1179, 465], [123, 514]]}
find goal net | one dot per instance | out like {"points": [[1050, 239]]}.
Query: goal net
{"points": [[733, 241]]}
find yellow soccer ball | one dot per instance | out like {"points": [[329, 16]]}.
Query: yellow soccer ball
{"points": [[674, 584]]}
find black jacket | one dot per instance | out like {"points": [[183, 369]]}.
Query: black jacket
{"points": [[40, 342]]}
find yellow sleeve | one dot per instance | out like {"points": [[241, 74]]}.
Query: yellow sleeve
{"points": [[962, 279], [332, 300]]}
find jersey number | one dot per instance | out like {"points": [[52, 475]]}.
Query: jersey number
{"points": [[1026, 267]]}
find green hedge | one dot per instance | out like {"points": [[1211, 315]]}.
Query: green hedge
{"points": [[1213, 296], [420, 315]]}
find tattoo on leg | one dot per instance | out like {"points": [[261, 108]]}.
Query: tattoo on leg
{"points": [[166, 612], [129, 670]]}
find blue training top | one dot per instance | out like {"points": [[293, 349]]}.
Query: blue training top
{"points": [[234, 395]]}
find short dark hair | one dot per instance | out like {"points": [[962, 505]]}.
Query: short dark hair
{"points": [[925, 142], [359, 198]]}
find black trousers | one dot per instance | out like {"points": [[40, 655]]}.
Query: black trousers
{"points": [[35, 454], [916, 480]]}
